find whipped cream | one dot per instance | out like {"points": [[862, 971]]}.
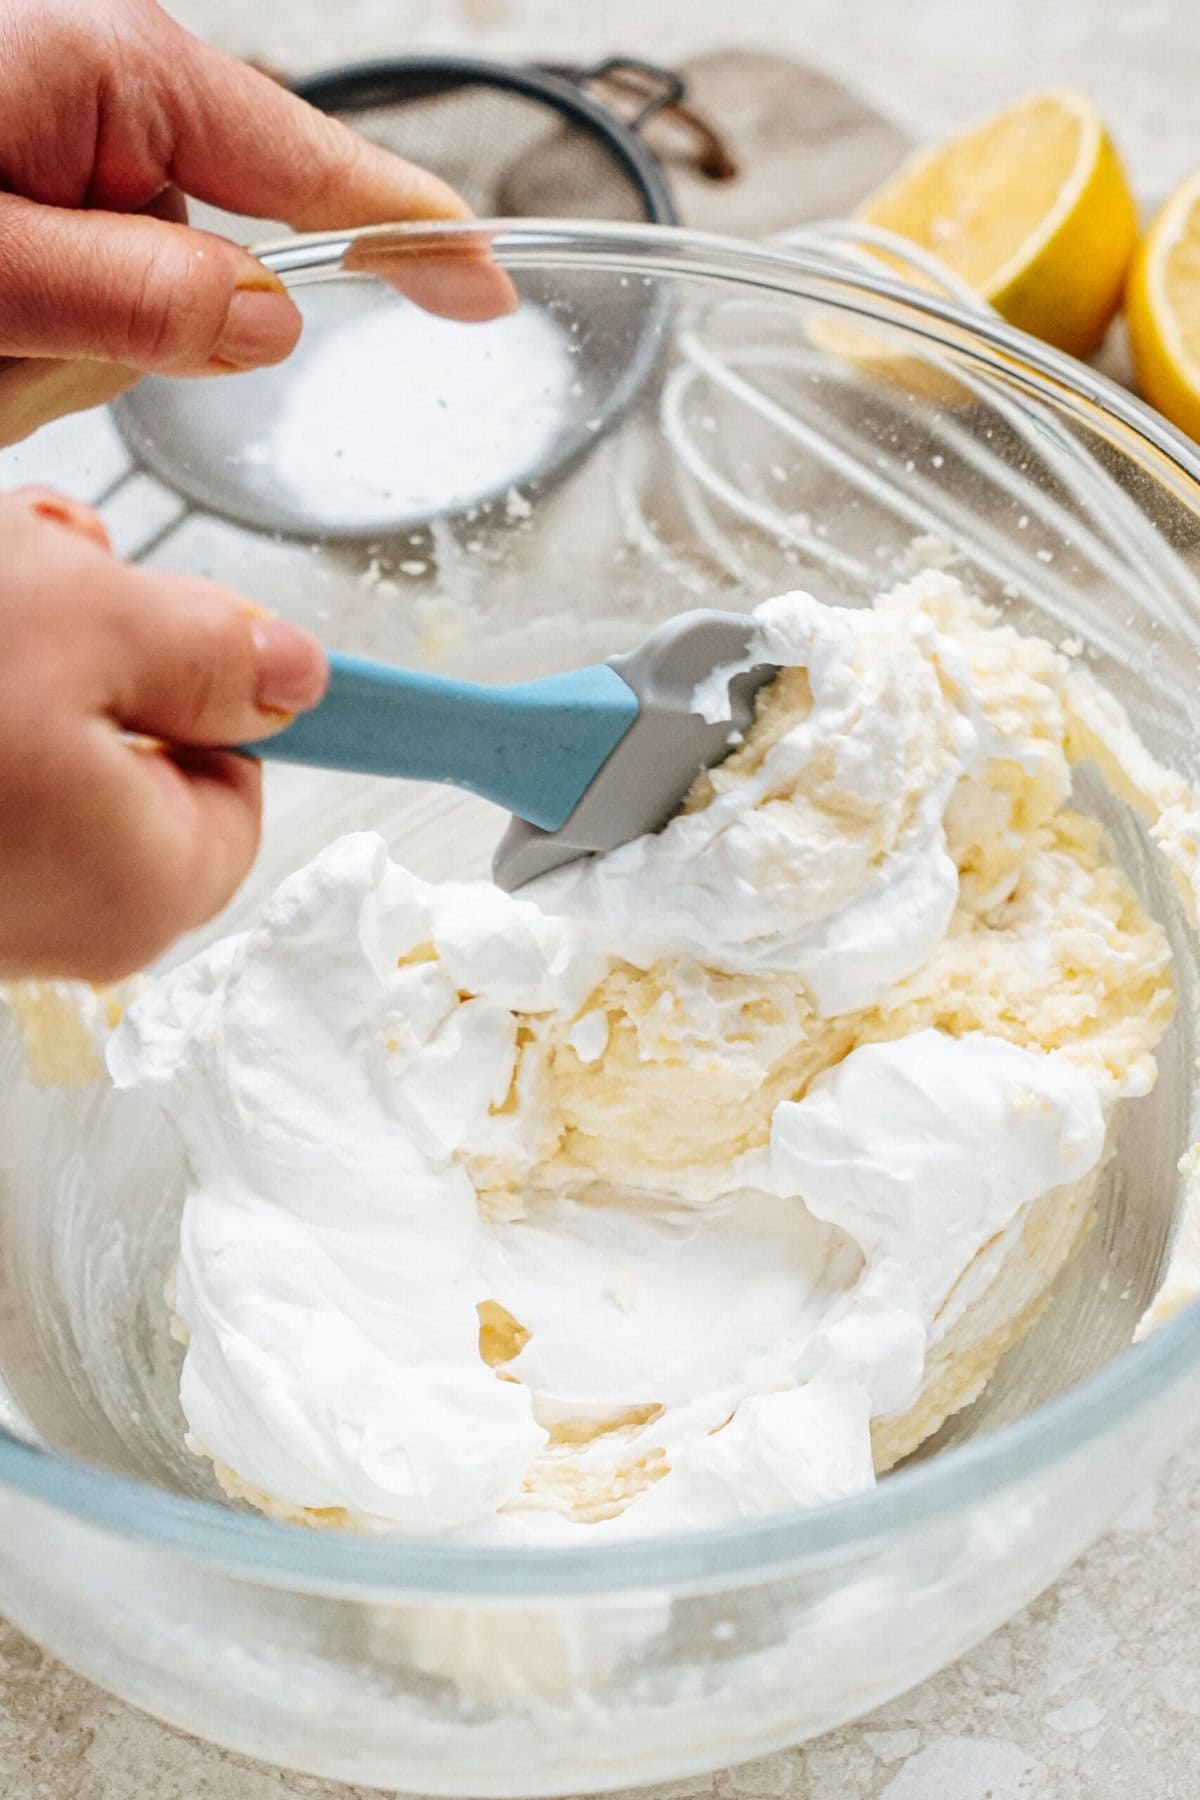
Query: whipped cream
{"points": [[642, 1200], [822, 853]]}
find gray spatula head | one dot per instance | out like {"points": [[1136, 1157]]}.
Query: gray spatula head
{"points": [[647, 777]]}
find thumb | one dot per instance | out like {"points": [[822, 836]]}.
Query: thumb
{"points": [[193, 663], [36, 389], [151, 294]]}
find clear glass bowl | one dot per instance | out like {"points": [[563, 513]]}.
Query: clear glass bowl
{"points": [[698, 421]]}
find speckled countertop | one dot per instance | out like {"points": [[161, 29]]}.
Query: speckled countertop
{"points": [[1092, 1693]]}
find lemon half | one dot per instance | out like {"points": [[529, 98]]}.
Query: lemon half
{"points": [[1031, 209], [1163, 309]]}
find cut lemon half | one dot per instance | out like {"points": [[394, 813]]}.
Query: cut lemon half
{"points": [[1163, 309], [1031, 209]]}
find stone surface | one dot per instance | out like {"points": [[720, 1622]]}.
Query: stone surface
{"points": [[1093, 1693]]}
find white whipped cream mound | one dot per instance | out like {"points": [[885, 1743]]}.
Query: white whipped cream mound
{"points": [[645, 1199], [822, 852]]}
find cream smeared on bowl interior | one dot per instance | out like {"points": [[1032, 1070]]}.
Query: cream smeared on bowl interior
{"points": [[697, 1181]]}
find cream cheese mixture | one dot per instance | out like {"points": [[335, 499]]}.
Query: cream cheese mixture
{"points": [[696, 1181]]}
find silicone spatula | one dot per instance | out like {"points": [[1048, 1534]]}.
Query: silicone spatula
{"points": [[584, 760]]}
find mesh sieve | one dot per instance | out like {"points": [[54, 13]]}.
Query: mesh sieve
{"points": [[515, 142]]}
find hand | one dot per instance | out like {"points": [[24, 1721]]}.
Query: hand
{"points": [[111, 112], [111, 845]]}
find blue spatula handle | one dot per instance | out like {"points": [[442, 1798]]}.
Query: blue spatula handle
{"points": [[534, 747]]}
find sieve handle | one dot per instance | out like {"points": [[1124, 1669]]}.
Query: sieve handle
{"points": [[533, 747]]}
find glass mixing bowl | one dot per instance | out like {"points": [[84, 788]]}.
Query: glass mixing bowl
{"points": [[697, 422]]}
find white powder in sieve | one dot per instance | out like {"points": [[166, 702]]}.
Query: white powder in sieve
{"points": [[397, 410]]}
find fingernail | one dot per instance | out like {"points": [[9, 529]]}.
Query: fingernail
{"points": [[261, 280], [260, 327], [292, 671], [73, 515]]}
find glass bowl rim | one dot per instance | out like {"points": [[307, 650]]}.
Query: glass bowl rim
{"points": [[284, 1555]]}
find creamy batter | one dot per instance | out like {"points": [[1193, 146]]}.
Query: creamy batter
{"points": [[699, 1180]]}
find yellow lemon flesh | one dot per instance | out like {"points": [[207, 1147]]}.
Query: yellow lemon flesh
{"points": [[1163, 310], [1031, 209]]}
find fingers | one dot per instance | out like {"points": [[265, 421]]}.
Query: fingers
{"points": [[135, 845], [213, 807], [36, 389], [189, 822], [114, 844], [195, 664], [243, 142], [168, 204], [139, 291], [455, 278], [167, 656], [83, 520], [103, 104]]}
